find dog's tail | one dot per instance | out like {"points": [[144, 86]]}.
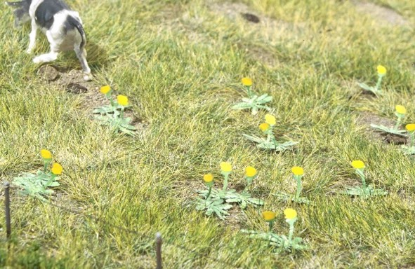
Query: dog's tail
{"points": [[78, 25]]}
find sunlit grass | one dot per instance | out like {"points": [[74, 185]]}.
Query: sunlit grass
{"points": [[180, 63]]}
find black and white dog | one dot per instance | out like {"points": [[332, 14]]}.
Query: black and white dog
{"points": [[62, 27]]}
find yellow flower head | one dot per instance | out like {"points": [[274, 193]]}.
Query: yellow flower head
{"points": [[122, 100], [46, 154], [290, 213], [208, 178], [264, 126], [250, 171], [268, 215], [358, 164], [56, 169], [270, 119], [410, 127], [246, 82], [400, 109], [381, 70], [226, 167], [105, 89], [297, 171]]}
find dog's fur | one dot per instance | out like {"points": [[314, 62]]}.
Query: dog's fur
{"points": [[62, 27]]}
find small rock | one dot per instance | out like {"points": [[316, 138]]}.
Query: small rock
{"points": [[48, 72]]}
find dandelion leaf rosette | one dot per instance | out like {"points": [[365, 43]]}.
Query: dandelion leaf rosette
{"points": [[109, 109], [368, 88], [105, 110], [286, 197], [296, 244], [243, 199], [118, 123], [408, 150], [365, 192], [263, 143], [272, 238], [216, 206], [36, 184], [388, 130], [254, 138], [255, 103]]}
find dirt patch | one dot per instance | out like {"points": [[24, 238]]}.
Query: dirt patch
{"points": [[365, 119], [232, 11], [72, 81], [382, 14], [261, 27]]}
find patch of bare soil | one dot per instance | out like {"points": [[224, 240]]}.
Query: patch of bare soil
{"points": [[232, 11], [382, 14], [70, 80], [73, 82], [258, 25], [366, 118], [341, 186]]}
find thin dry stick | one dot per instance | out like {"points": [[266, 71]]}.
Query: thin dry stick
{"points": [[7, 208], [159, 241]]}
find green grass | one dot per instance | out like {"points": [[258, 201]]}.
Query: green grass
{"points": [[180, 63]]}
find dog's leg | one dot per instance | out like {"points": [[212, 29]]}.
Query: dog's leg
{"points": [[81, 54], [32, 37], [52, 55]]}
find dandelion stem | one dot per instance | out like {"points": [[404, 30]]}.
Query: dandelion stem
{"points": [[225, 182], [271, 224], [248, 183], [108, 96], [51, 179], [249, 92], [398, 122], [299, 188], [291, 232], [362, 176], [45, 165], [379, 82], [210, 190], [269, 134], [122, 113], [411, 139]]}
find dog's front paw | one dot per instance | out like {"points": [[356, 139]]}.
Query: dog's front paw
{"points": [[88, 77], [37, 60]]}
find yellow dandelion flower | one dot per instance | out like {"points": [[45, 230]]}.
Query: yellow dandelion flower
{"points": [[225, 167], [250, 171], [246, 81], [290, 213], [381, 70], [410, 127], [122, 100], [358, 164], [208, 178], [105, 89], [46, 154], [270, 119], [400, 109], [268, 215], [264, 126], [56, 169], [298, 171]]}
